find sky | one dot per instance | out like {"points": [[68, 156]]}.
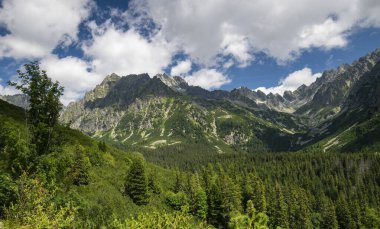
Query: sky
{"points": [[269, 45]]}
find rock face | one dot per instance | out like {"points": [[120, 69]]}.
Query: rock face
{"points": [[19, 100], [144, 111], [164, 110], [324, 98]]}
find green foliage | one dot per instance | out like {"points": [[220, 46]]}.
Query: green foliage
{"points": [[136, 185], [179, 219], [153, 185], [343, 213], [102, 146], [329, 219], [254, 189], [8, 191], [291, 190], [36, 208], [44, 105], [198, 198], [279, 209], [15, 149], [80, 171], [252, 219], [176, 200], [372, 219]]}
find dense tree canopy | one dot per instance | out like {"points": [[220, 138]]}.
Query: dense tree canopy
{"points": [[44, 105]]}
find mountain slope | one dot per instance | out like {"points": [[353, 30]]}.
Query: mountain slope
{"points": [[357, 126], [107, 169], [140, 111], [153, 114]]}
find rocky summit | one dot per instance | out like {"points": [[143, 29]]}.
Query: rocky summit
{"points": [[151, 112]]}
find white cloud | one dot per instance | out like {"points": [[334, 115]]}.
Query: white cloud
{"points": [[239, 48], [72, 73], [181, 68], [281, 29], [37, 26], [126, 52], [292, 81], [7, 90], [207, 79]]}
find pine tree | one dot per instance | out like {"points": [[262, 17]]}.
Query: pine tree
{"points": [[179, 185], [280, 213], [300, 213], [231, 197], [329, 220], [198, 198], [254, 190], [253, 219], [355, 213], [136, 185], [153, 185], [343, 213], [214, 198], [80, 171]]}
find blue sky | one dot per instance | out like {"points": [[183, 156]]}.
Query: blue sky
{"points": [[215, 44]]}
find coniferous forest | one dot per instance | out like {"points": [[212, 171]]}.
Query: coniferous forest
{"points": [[55, 177]]}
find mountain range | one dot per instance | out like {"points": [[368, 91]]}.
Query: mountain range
{"points": [[338, 112]]}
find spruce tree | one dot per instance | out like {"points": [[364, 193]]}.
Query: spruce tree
{"points": [[280, 209], [136, 185], [328, 215], [198, 198], [231, 197], [343, 213], [254, 190], [214, 199], [80, 171]]}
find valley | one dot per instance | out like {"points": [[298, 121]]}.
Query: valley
{"points": [[142, 152]]}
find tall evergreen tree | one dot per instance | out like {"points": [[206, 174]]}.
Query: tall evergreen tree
{"points": [[179, 185], [328, 216], [198, 198], [343, 213], [214, 199], [136, 185], [231, 197], [254, 190], [80, 171], [279, 215]]}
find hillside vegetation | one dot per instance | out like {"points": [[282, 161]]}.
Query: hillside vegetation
{"points": [[164, 154]]}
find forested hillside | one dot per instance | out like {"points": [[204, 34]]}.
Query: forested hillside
{"points": [[183, 162], [84, 184]]}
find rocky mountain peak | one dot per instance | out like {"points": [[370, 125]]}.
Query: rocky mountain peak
{"points": [[20, 100], [176, 83], [101, 90], [111, 78]]}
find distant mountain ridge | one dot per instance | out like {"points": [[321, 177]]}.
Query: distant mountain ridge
{"points": [[160, 111], [19, 100], [138, 110]]}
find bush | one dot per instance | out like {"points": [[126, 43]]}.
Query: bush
{"points": [[176, 200]]}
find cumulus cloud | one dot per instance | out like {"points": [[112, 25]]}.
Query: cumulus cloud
{"points": [[280, 29], [292, 81], [181, 68], [73, 73], [7, 90], [126, 52], [215, 35], [207, 79], [239, 48], [36, 27]]}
